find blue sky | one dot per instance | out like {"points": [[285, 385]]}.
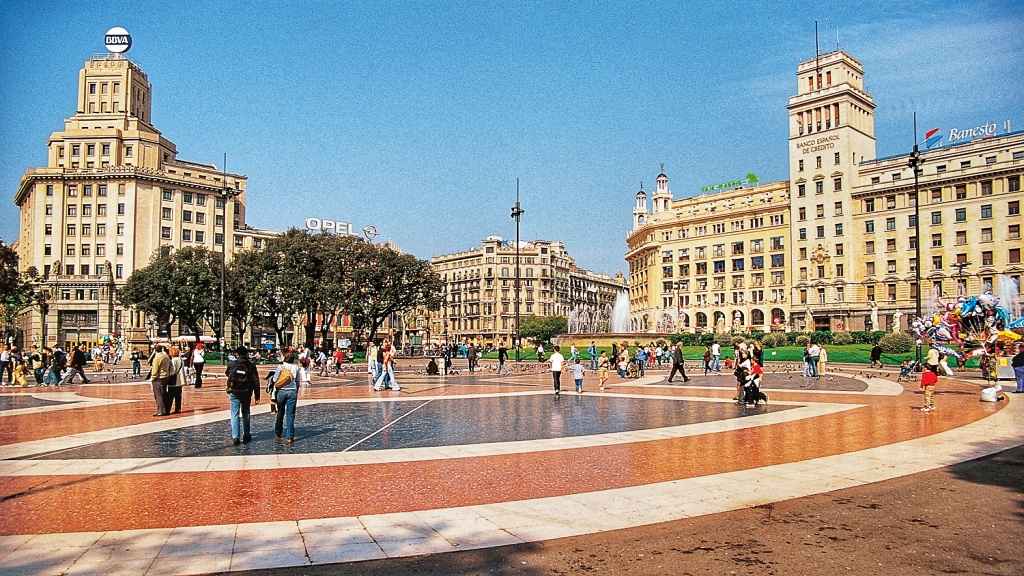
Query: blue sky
{"points": [[417, 116]]}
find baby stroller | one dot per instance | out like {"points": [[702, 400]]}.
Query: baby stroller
{"points": [[907, 371], [752, 387]]}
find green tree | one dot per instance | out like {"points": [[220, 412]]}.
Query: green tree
{"points": [[248, 275], [181, 286], [542, 328], [388, 282], [16, 292]]}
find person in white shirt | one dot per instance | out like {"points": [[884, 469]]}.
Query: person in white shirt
{"points": [[716, 357], [812, 354], [198, 361], [556, 370]]}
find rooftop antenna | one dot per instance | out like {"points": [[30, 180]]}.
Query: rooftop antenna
{"points": [[815, 46], [837, 38]]}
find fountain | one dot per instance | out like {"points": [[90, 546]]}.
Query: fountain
{"points": [[620, 313], [603, 325]]}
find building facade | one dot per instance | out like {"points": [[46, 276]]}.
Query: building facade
{"points": [[846, 223], [112, 194], [715, 262], [480, 291]]}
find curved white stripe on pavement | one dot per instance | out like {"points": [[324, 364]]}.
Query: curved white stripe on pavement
{"points": [[96, 466], [71, 399], [331, 540]]}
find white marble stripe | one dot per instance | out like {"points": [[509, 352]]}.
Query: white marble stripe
{"points": [[331, 540], [875, 387], [98, 466], [71, 399]]}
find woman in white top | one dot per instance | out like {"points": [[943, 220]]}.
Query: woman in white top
{"points": [[198, 359], [175, 380]]}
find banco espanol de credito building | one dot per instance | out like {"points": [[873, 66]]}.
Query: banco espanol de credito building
{"points": [[832, 248], [112, 193]]}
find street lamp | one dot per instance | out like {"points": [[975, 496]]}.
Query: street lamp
{"points": [[226, 194], [915, 165], [517, 213]]}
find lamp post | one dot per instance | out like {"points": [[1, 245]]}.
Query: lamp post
{"points": [[915, 165], [226, 194], [517, 213]]}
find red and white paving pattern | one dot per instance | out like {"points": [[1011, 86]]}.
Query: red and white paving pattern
{"points": [[200, 514]]}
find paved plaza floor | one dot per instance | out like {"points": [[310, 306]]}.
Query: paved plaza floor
{"points": [[476, 470]]}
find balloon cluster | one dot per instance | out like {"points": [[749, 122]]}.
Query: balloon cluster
{"points": [[971, 322]]}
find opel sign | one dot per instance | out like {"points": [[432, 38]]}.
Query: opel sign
{"points": [[331, 226], [117, 40]]}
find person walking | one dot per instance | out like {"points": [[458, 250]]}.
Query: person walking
{"points": [[78, 361], [928, 381], [36, 363], [6, 366], [574, 354], [540, 352], [59, 364], [243, 389], [592, 353], [446, 353], [136, 358], [471, 357], [387, 368], [615, 355], [1017, 363], [602, 369], [577, 375], [287, 386], [502, 358], [707, 360], [20, 368], [759, 353], [813, 353], [373, 354], [678, 363], [641, 360], [716, 357], [198, 361], [822, 360], [176, 379], [159, 370], [556, 370], [876, 356]]}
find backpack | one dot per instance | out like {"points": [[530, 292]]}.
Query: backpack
{"points": [[283, 378], [238, 379]]}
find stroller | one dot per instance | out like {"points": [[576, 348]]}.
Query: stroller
{"points": [[907, 371]]}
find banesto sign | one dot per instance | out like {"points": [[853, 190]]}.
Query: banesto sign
{"points": [[817, 144]]}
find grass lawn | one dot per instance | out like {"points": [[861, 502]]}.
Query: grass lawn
{"points": [[847, 354]]}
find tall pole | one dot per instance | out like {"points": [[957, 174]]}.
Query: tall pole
{"points": [[915, 163], [223, 246], [517, 213]]}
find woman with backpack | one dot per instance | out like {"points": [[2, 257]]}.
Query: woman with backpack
{"points": [[287, 395], [243, 386]]}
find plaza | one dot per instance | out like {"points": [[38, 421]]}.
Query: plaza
{"points": [[274, 303], [92, 484]]}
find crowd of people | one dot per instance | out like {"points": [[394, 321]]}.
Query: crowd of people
{"points": [[43, 366]]}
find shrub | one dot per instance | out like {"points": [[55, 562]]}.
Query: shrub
{"points": [[876, 336], [821, 337], [756, 335], [723, 339], [706, 338], [896, 343], [842, 338], [791, 337], [802, 340], [774, 340], [861, 337], [735, 341]]}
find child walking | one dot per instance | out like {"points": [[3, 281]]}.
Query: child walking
{"points": [[602, 369], [928, 381], [577, 375]]}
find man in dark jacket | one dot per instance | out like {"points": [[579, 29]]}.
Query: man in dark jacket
{"points": [[678, 363], [876, 356], [243, 386], [78, 363]]}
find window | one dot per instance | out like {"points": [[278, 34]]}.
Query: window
{"points": [[1013, 208], [890, 202], [839, 270], [120, 228], [801, 190], [72, 190], [961, 237], [986, 187], [119, 271], [105, 149], [186, 215], [890, 266], [200, 218], [200, 199], [819, 187], [802, 214], [837, 183], [165, 232], [937, 262], [87, 190], [890, 245], [69, 250], [165, 213], [936, 195], [869, 268], [838, 209], [800, 165], [819, 232], [961, 215], [778, 260], [869, 204], [803, 253], [92, 87], [936, 218], [90, 149], [87, 210], [911, 221], [891, 292], [869, 226], [737, 264], [69, 269], [48, 230], [1013, 183], [168, 195], [986, 258], [869, 247], [119, 249], [817, 161], [86, 229], [965, 164], [101, 229], [200, 236], [896, 176], [70, 230], [1013, 232], [986, 234], [835, 158], [890, 224], [912, 243], [871, 293], [961, 191], [127, 151], [876, 179], [803, 233], [757, 263], [936, 240], [819, 211], [186, 235], [101, 249], [86, 250], [72, 210], [986, 211], [1013, 257], [186, 197], [839, 229]]}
